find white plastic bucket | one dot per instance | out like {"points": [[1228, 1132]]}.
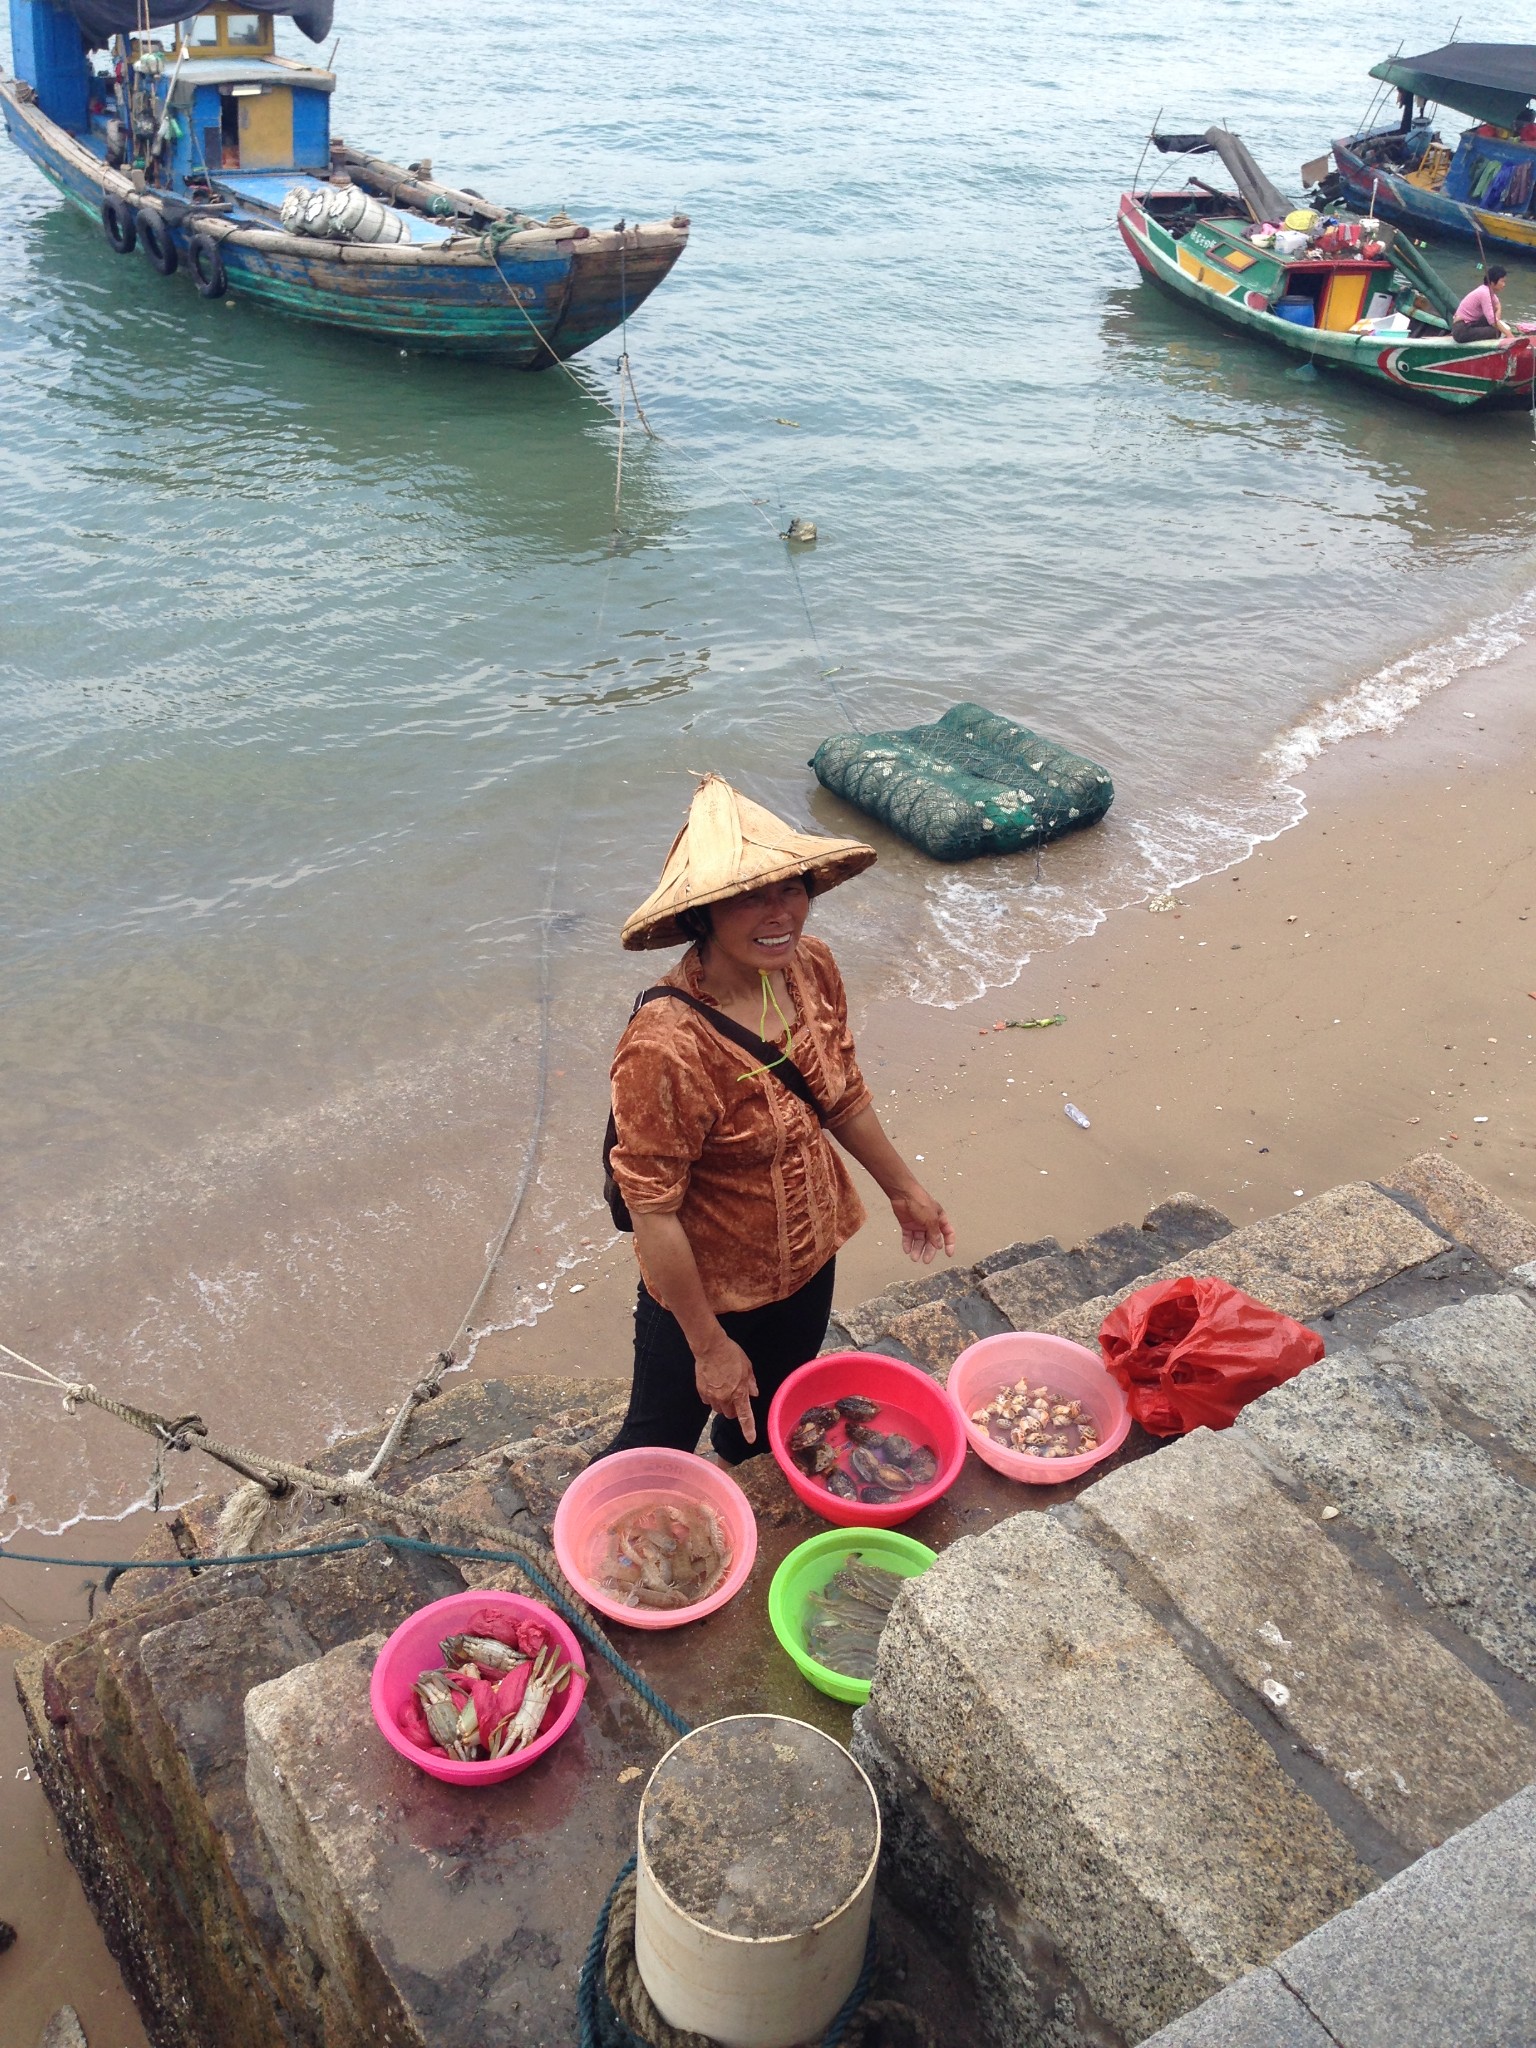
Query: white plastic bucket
{"points": [[770, 1989]]}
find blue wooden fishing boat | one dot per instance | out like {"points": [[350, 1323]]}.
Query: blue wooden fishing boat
{"points": [[1484, 188], [184, 134]]}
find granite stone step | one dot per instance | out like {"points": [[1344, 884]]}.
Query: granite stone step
{"points": [[137, 1732], [1031, 1293], [1302, 1262], [1442, 1956], [1106, 1786], [931, 1320], [1464, 1209], [1404, 1727], [1371, 1441], [1482, 1352], [442, 1915]]}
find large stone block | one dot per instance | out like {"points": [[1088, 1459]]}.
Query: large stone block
{"points": [[1483, 1352], [1031, 1292], [932, 1336], [1443, 1956], [1129, 1810], [1015, 1254], [1030, 1296], [446, 1915], [1464, 1209], [1301, 1262], [1258, 2011], [1396, 1718], [1374, 1444]]}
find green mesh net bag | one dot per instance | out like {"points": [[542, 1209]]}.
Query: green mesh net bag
{"points": [[971, 783]]}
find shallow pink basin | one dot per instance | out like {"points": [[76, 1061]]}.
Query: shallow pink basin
{"points": [[633, 1479], [985, 1369], [413, 1648]]}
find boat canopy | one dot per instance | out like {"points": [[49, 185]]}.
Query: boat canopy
{"points": [[101, 20], [1262, 199], [1494, 81]]}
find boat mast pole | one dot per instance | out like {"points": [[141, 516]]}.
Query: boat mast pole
{"points": [[1136, 181]]}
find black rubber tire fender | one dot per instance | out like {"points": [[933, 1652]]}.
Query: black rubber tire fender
{"points": [[205, 260], [122, 230], [158, 243]]}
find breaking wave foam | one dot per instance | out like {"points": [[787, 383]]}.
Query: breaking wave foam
{"points": [[978, 936]]}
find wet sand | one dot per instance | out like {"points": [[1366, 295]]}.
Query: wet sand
{"points": [[1357, 991]]}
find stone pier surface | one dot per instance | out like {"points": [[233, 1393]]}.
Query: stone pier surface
{"points": [[1226, 1735]]}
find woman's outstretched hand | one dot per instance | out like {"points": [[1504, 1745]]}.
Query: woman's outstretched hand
{"points": [[723, 1374], [925, 1229]]}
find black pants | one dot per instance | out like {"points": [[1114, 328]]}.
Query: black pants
{"points": [[664, 1403], [1473, 330]]}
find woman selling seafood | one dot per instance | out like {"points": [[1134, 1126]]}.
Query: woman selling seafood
{"points": [[723, 1157]]}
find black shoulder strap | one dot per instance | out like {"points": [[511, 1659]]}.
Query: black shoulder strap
{"points": [[763, 1054]]}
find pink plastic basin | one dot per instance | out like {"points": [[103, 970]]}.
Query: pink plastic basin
{"points": [[909, 1402], [633, 1479], [413, 1648], [981, 1373]]}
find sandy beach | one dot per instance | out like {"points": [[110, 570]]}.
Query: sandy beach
{"points": [[1358, 990]]}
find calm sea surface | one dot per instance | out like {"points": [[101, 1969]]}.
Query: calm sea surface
{"points": [[340, 725]]}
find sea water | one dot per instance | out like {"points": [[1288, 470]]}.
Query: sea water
{"points": [[343, 717]]}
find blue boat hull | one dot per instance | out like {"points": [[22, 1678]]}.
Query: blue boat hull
{"points": [[1390, 196], [528, 308]]}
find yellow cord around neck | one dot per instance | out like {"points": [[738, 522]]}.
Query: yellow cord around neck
{"points": [[762, 1031]]}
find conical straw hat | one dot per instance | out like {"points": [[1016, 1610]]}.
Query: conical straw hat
{"points": [[728, 846]]}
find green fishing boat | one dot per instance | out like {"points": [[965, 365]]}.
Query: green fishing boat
{"points": [[1357, 296]]}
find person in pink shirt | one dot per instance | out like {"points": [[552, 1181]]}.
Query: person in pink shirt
{"points": [[1480, 316]]}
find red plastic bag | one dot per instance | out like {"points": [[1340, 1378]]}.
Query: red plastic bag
{"points": [[1192, 1353]]}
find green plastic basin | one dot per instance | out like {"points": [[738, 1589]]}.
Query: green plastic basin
{"points": [[807, 1569]]}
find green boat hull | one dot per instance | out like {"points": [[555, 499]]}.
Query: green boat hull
{"points": [[1452, 376]]}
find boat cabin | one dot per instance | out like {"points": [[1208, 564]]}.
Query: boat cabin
{"points": [[1315, 289], [191, 100]]}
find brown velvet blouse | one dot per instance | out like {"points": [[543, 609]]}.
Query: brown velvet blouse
{"points": [[756, 1182]]}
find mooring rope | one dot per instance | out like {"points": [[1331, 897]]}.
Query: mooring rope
{"points": [[276, 1477], [566, 1603], [490, 244]]}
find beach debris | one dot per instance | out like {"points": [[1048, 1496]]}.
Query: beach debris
{"points": [[664, 1553], [1276, 1693], [1330, 1514], [1037, 1421], [853, 1459], [1168, 902], [845, 1620], [1075, 1115], [7, 1936], [800, 530], [781, 422], [1479, 1119], [1034, 1023]]}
